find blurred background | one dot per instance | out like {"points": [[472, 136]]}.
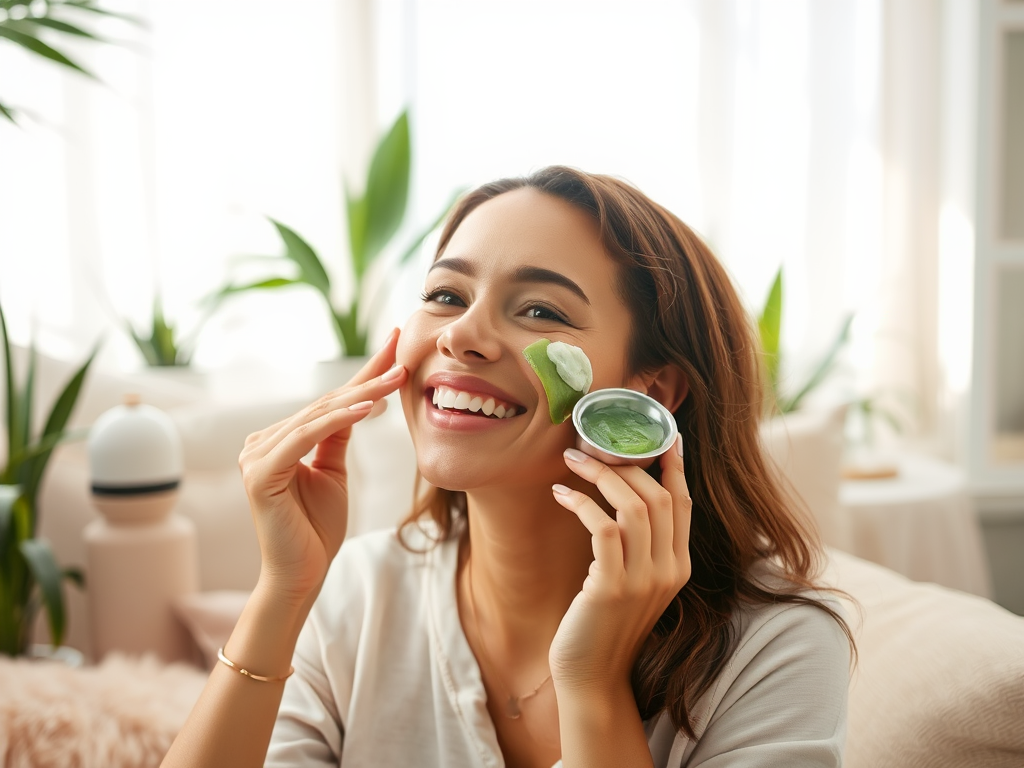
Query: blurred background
{"points": [[873, 150]]}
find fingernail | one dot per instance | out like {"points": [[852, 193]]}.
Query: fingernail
{"points": [[393, 373], [363, 406], [561, 490], [573, 455], [679, 445], [387, 340]]}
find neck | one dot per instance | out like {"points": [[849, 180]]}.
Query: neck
{"points": [[529, 557]]}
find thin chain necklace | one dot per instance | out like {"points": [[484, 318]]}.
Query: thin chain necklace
{"points": [[512, 703]]}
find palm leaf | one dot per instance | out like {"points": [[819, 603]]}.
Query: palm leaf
{"points": [[12, 393], [63, 26], [24, 409], [55, 424], [355, 208], [37, 46], [8, 495], [48, 576], [824, 368], [418, 241], [769, 326], [299, 251], [387, 189], [9, 113]]}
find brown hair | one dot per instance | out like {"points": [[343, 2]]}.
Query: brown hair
{"points": [[686, 313]]}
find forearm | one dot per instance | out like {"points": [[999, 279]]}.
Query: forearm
{"points": [[233, 719], [601, 727]]}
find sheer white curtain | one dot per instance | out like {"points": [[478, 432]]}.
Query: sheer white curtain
{"points": [[803, 133]]}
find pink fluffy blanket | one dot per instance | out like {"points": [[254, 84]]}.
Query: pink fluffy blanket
{"points": [[119, 714]]}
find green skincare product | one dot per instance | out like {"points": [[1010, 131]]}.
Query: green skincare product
{"points": [[619, 429], [564, 372], [622, 425]]}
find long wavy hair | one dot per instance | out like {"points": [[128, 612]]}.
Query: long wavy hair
{"points": [[685, 313]]}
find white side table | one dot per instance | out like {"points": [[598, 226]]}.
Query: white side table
{"points": [[921, 524]]}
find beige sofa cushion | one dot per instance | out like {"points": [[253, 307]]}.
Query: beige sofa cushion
{"points": [[940, 679]]}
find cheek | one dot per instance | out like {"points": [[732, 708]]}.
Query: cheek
{"points": [[417, 340]]}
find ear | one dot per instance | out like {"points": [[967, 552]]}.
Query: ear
{"points": [[669, 386]]}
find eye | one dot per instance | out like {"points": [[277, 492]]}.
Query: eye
{"points": [[542, 312], [442, 296]]}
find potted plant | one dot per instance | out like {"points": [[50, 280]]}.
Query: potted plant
{"points": [[374, 217], [163, 345], [30, 577]]}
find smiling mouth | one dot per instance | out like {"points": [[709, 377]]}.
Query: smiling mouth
{"points": [[471, 404]]}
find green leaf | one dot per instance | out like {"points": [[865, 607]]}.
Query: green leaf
{"points": [[824, 368], [8, 495], [387, 188], [48, 576], [9, 113], [56, 422], [769, 326], [63, 26], [24, 421], [298, 250], [12, 393], [356, 210], [274, 282], [37, 46], [416, 243]]}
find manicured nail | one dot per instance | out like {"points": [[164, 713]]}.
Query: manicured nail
{"points": [[573, 455], [679, 445], [561, 490], [393, 373], [363, 406]]}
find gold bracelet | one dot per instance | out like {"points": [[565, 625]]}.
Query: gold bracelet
{"points": [[242, 671]]}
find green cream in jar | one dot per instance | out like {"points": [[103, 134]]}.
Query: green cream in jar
{"points": [[622, 430]]}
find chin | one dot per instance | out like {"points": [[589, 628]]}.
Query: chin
{"points": [[452, 474]]}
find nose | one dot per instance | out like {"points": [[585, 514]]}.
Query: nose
{"points": [[471, 337]]}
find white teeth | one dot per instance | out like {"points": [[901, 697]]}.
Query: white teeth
{"points": [[445, 398]]}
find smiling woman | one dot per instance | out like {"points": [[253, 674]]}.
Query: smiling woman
{"points": [[538, 605]]}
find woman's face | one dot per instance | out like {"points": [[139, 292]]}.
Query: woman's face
{"points": [[522, 266]]}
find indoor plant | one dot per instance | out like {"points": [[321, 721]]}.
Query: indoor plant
{"points": [[30, 577], [374, 217], [769, 325]]}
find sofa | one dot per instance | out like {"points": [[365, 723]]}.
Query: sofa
{"points": [[939, 679]]}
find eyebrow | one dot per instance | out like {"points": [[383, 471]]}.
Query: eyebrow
{"points": [[523, 274]]}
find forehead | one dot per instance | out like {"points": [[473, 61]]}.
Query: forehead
{"points": [[529, 227]]}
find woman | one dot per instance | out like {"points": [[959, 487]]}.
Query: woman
{"points": [[538, 604]]}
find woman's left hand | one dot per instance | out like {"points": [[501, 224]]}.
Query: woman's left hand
{"points": [[641, 561]]}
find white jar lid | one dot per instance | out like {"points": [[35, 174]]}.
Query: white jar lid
{"points": [[134, 448]]}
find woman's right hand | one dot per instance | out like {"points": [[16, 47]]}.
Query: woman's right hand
{"points": [[300, 510]]}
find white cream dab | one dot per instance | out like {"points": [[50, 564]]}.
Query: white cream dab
{"points": [[572, 364]]}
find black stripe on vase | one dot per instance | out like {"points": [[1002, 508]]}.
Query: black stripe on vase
{"points": [[133, 490]]}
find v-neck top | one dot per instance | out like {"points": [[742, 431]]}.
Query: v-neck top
{"points": [[384, 676]]}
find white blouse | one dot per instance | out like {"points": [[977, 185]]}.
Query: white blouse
{"points": [[384, 676]]}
